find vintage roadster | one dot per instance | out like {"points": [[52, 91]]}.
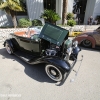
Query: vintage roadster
{"points": [[49, 45]]}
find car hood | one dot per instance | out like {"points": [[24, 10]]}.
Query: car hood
{"points": [[53, 34]]}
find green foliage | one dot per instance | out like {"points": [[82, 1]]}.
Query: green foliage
{"points": [[71, 22], [14, 5], [70, 16], [23, 22], [36, 22], [11, 7], [50, 16]]}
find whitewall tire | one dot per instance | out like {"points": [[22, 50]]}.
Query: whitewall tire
{"points": [[54, 73]]}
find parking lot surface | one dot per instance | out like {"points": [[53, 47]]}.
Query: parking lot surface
{"points": [[20, 81]]}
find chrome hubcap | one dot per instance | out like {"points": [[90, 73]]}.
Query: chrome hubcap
{"points": [[86, 43], [53, 72], [8, 48]]}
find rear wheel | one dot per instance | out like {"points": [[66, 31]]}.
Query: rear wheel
{"points": [[8, 48], [54, 73], [87, 43]]}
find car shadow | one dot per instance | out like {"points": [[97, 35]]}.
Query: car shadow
{"points": [[36, 72], [97, 49]]}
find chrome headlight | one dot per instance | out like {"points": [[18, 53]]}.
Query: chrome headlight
{"points": [[75, 43]]}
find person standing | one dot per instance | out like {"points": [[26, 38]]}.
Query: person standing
{"points": [[91, 20]]}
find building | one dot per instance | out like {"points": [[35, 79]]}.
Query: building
{"points": [[81, 8]]}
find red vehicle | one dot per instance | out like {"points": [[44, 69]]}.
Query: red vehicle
{"points": [[89, 39]]}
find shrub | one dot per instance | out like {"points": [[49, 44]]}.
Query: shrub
{"points": [[36, 22], [50, 16], [71, 22], [70, 16], [24, 22]]}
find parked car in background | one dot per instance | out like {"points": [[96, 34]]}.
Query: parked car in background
{"points": [[76, 30], [89, 39], [49, 45]]}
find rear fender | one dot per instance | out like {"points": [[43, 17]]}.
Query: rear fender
{"points": [[80, 39], [61, 64]]}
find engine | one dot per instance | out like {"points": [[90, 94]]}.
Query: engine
{"points": [[64, 51], [53, 50], [50, 52]]}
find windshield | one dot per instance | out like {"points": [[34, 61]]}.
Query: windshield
{"points": [[36, 29], [35, 37]]}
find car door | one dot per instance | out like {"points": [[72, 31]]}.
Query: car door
{"points": [[25, 44], [96, 36], [35, 44]]}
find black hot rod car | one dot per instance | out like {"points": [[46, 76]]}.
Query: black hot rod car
{"points": [[49, 45]]}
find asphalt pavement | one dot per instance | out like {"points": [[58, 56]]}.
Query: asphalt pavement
{"points": [[20, 81]]}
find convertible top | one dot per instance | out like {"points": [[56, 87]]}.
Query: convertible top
{"points": [[53, 33]]}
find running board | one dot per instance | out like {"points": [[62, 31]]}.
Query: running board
{"points": [[24, 56]]}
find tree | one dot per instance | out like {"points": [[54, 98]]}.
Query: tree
{"points": [[65, 2], [11, 7], [50, 16]]}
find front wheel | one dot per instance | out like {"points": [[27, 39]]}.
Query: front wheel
{"points": [[8, 48], [87, 43], [54, 73]]}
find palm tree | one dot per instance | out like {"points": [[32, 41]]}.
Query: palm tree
{"points": [[65, 2], [11, 7]]}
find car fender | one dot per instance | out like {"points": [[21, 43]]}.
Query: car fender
{"points": [[81, 38], [75, 52], [61, 64]]}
